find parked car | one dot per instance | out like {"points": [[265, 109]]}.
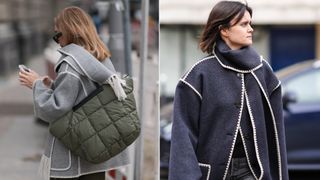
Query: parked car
{"points": [[301, 109], [301, 104]]}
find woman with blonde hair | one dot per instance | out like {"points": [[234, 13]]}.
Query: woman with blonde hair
{"points": [[84, 60]]}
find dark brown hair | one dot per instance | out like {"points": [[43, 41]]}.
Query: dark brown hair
{"points": [[220, 17], [78, 28]]}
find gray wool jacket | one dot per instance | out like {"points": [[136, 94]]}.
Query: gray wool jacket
{"points": [[76, 71]]}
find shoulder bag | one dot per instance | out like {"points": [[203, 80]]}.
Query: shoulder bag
{"points": [[100, 126]]}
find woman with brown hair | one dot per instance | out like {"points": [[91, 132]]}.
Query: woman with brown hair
{"points": [[228, 120], [84, 60]]}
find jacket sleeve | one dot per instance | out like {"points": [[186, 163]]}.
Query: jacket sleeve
{"points": [[184, 139], [51, 104], [276, 104]]}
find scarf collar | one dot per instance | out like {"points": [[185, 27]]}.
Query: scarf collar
{"points": [[244, 60], [87, 65]]}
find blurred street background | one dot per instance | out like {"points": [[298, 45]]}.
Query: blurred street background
{"points": [[26, 28], [286, 32]]}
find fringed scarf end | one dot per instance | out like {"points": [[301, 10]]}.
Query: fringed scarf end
{"points": [[44, 169], [116, 83]]}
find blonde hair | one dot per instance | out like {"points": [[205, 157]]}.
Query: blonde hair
{"points": [[77, 27]]}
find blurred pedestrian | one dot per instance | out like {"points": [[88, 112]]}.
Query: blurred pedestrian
{"points": [[76, 34], [228, 120], [94, 13]]}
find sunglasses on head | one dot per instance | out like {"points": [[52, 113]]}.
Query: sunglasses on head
{"points": [[56, 37]]}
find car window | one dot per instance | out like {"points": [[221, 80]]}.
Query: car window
{"points": [[306, 87]]}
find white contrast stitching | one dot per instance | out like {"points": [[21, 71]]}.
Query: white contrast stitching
{"points": [[247, 155], [61, 59], [60, 169], [75, 60], [79, 165], [237, 129], [279, 83], [209, 169], [91, 172], [238, 70], [274, 125], [210, 57], [267, 63], [187, 74], [194, 89], [254, 134]]}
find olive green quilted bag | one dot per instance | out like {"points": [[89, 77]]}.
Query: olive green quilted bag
{"points": [[101, 126]]}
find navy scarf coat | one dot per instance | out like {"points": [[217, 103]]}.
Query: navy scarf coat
{"points": [[208, 116]]}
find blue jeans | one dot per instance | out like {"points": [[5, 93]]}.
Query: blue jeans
{"points": [[239, 170]]}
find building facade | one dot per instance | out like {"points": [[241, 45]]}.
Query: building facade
{"points": [[285, 32]]}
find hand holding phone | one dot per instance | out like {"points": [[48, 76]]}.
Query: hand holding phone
{"points": [[23, 68], [27, 76]]}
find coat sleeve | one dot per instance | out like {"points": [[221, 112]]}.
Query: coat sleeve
{"points": [[276, 104], [184, 139], [51, 104]]}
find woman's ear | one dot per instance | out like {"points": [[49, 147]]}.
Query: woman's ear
{"points": [[223, 32]]}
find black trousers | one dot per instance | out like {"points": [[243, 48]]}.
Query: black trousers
{"points": [[94, 176], [239, 170]]}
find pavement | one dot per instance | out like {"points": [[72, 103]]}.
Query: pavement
{"points": [[16, 99], [21, 144], [22, 137]]}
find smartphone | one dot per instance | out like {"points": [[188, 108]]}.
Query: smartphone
{"points": [[23, 68]]}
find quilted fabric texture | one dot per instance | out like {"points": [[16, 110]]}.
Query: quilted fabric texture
{"points": [[101, 127]]}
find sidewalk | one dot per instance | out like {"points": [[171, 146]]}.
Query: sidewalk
{"points": [[21, 139], [16, 99], [21, 145]]}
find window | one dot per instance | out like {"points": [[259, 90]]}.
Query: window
{"points": [[306, 87]]}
